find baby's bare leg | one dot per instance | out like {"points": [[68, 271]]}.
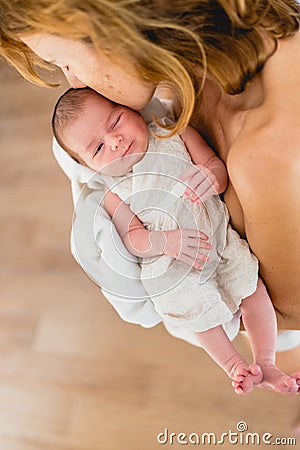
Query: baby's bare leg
{"points": [[260, 322], [217, 344]]}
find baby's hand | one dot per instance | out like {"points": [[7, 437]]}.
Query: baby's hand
{"points": [[201, 183], [185, 245]]}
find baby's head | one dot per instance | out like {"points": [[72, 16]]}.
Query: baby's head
{"points": [[105, 136]]}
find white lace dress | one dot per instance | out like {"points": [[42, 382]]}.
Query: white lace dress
{"points": [[184, 296]]}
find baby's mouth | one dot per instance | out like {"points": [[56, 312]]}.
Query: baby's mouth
{"points": [[127, 150]]}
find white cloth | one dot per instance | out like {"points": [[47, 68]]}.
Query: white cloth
{"points": [[183, 296], [287, 340]]}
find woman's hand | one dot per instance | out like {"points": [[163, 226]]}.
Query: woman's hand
{"points": [[201, 183], [187, 246]]}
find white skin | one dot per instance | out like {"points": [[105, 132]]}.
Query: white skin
{"points": [[83, 66], [110, 138]]}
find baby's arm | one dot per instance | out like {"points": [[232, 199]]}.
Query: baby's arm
{"points": [[206, 163], [185, 245]]}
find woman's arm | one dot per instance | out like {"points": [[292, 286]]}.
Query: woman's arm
{"points": [[185, 245]]}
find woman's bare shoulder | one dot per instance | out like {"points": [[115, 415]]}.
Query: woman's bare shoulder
{"points": [[266, 147], [270, 135], [281, 77]]}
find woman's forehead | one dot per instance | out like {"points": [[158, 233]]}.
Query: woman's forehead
{"points": [[50, 47]]}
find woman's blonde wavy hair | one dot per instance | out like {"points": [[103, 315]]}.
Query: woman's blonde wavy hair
{"points": [[176, 42]]}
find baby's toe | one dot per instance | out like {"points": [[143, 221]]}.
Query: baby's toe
{"points": [[288, 384], [255, 369], [240, 373], [296, 377]]}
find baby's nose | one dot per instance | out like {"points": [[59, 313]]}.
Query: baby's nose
{"points": [[116, 143]]}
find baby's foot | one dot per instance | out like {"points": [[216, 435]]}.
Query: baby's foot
{"points": [[276, 380], [245, 377]]}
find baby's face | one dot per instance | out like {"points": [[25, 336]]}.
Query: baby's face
{"points": [[108, 138]]}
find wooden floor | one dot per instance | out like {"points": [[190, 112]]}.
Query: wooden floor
{"points": [[73, 376]]}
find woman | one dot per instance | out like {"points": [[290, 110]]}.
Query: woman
{"points": [[233, 71]]}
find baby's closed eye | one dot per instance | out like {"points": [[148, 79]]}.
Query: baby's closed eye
{"points": [[99, 147]]}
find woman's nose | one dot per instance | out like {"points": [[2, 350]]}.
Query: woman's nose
{"points": [[73, 81]]}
